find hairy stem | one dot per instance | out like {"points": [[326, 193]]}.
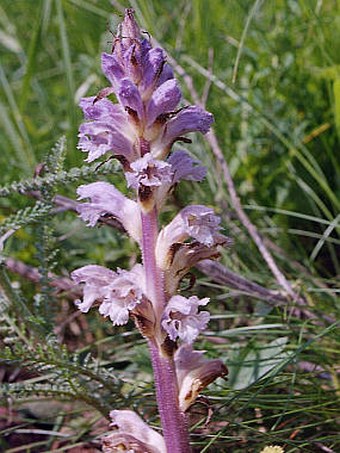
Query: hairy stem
{"points": [[173, 420], [174, 423]]}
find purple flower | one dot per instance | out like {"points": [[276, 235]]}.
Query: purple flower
{"points": [[132, 434], [185, 167], [148, 171], [196, 221], [194, 373], [107, 200], [164, 100], [107, 130], [148, 95], [117, 292], [188, 119], [175, 256], [182, 320]]}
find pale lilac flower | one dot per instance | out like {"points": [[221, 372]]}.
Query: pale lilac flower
{"points": [[185, 167], [132, 434], [140, 131], [117, 292], [196, 221], [97, 280], [125, 294], [107, 130], [194, 373], [107, 200], [148, 95], [181, 257], [148, 171], [181, 318]]}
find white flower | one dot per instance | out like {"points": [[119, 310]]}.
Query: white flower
{"points": [[132, 434], [117, 292], [194, 373]]}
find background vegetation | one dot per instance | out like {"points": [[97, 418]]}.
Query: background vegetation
{"points": [[270, 73]]}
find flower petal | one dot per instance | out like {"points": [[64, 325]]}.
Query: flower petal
{"points": [[132, 434], [106, 199], [101, 109], [129, 96], [113, 69], [154, 71], [185, 167], [194, 373], [117, 292], [148, 171], [96, 279], [182, 320], [164, 100], [189, 119], [107, 131], [196, 221]]}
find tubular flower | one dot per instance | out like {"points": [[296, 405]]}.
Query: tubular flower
{"points": [[182, 320], [117, 292], [150, 172], [146, 119], [106, 200], [194, 373], [175, 256], [132, 434]]}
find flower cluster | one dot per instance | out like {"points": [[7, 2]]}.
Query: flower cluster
{"points": [[140, 132]]}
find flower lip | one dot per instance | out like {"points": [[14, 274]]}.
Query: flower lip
{"points": [[194, 373], [107, 200], [148, 171], [185, 167], [132, 434], [107, 130], [182, 320], [117, 292]]}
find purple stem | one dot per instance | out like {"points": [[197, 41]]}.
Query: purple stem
{"points": [[174, 423], [173, 420]]}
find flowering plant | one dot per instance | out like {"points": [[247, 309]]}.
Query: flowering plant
{"points": [[141, 131]]}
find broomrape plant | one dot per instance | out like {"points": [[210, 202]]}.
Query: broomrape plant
{"points": [[141, 131]]}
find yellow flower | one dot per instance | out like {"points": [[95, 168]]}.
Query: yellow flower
{"points": [[272, 449]]}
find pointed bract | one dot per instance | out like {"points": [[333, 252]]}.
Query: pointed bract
{"points": [[194, 373]]}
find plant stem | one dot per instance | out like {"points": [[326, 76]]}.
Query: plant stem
{"points": [[174, 423], [173, 420]]}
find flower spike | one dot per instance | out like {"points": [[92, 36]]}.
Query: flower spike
{"points": [[139, 130]]}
